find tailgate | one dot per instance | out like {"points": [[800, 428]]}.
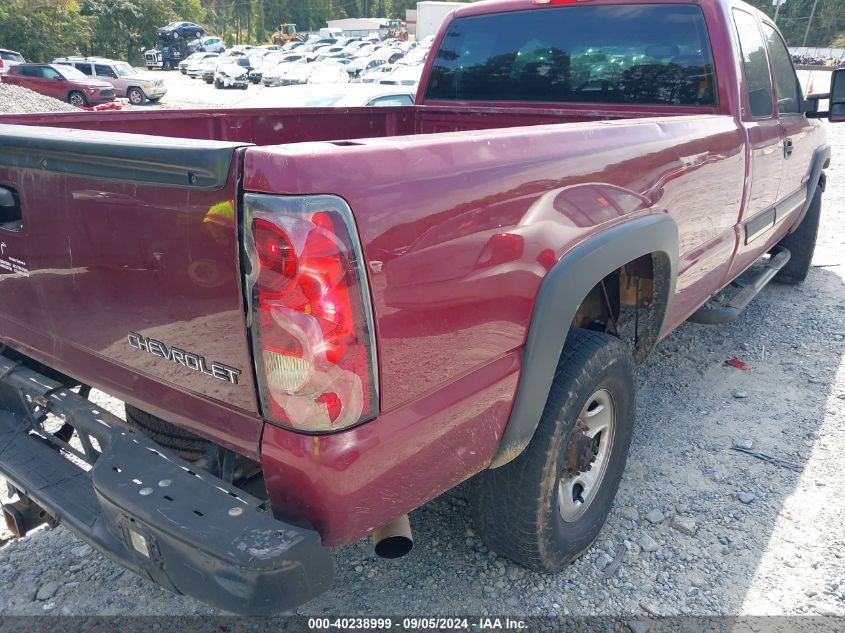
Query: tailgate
{"points": [[123, 271]]}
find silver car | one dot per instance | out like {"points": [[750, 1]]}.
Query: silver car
{"points": [[127, 82], [9, 58]]}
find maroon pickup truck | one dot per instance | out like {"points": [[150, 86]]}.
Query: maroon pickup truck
{"points": [[320, 320]]}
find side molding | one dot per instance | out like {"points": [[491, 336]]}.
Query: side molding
{"points": [[821, 159], [561, 293]]}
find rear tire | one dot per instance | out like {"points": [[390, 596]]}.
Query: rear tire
{"points": [[533, 510], [184, 443], [218, 84], [801, 243]]}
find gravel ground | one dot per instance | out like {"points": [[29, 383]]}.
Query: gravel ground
{"points": [[698, 527], [17, 100]]}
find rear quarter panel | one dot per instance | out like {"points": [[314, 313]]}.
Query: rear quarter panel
{"points": [[458, 233]]}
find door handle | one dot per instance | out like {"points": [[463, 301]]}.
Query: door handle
{"points": [[787, 147]]}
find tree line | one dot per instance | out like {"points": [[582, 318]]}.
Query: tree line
{"points": [[123, 29], [44, 29]]}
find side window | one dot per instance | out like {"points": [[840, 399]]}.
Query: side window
{"points": [[31, 71], [786, 81], [103, 70], [83, 68], [755, 63], [392, 100], [50, 73]]}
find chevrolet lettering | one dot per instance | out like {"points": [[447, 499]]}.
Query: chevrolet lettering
{"points": [[183, 357]]}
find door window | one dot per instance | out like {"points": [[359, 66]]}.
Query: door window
{"points": [[786, 81], [50, 73], [104, 71], [758, 82], [85, 69]]}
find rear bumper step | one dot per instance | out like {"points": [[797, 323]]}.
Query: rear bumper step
{"points": [[725, 314], [148, 510]]}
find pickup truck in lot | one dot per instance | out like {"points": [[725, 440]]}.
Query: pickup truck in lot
{"points": [[321, 319]]}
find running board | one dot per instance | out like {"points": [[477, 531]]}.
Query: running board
{"points": [[729, 312]]}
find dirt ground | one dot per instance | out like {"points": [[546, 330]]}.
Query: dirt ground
{"points": [[732, 502]]}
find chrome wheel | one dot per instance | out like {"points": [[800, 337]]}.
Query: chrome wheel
{"points": [[76, 99], [136, 97], [587, 456]]}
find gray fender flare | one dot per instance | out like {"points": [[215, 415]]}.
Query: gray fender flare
{"points": [[821, 159], [561, 292]]}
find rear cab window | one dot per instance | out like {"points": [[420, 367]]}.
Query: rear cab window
{"points": [[9, 56], [755, 65], [621, 54]]}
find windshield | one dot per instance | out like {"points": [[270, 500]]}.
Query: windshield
{"points": [[647, 54], [124, 70], [69, 72]]}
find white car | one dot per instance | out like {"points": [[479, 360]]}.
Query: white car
{"points": [[197, 68], [402, 76], [211, 44], [372, 75], [287, 74], [9, 58], [332, 95], [231, 75], [328, 73], [194, 59]]}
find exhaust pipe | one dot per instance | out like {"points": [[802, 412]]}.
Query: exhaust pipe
{"points": [[394, 540], [22, 516]]}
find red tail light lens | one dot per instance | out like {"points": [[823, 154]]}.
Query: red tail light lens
{"points": [[310, 312]]}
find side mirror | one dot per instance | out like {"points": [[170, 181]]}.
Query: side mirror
{"points": [[836, 99], [837, 95]]}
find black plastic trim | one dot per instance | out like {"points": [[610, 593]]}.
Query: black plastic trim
{"points": [[758, 225], [561, 292], [821, 160], [117, 156], [203, 537]]}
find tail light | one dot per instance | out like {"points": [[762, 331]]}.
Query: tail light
{"points": [[310, 312], [500, 249]]}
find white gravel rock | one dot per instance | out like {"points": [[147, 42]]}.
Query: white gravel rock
{"points": [[18, 100]]}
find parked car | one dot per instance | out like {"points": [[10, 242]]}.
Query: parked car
{"points": [[321, 320], [60, 82], [328, 73], [204, 68], [331, 95], [127, 82], [9, 58], [287, 74], [363, 65], [270, 62], [195, 59], [186, 30], [211, 44], [231, 74], [402, 76], [374, 73]]}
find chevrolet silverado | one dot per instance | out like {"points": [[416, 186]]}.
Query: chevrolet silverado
{"points": [[320, 319]]}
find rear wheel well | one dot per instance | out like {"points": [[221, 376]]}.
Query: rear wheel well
{"points": [[629, 302]]}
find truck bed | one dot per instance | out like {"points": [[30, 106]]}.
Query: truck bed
{"points": [[137, 251]]}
